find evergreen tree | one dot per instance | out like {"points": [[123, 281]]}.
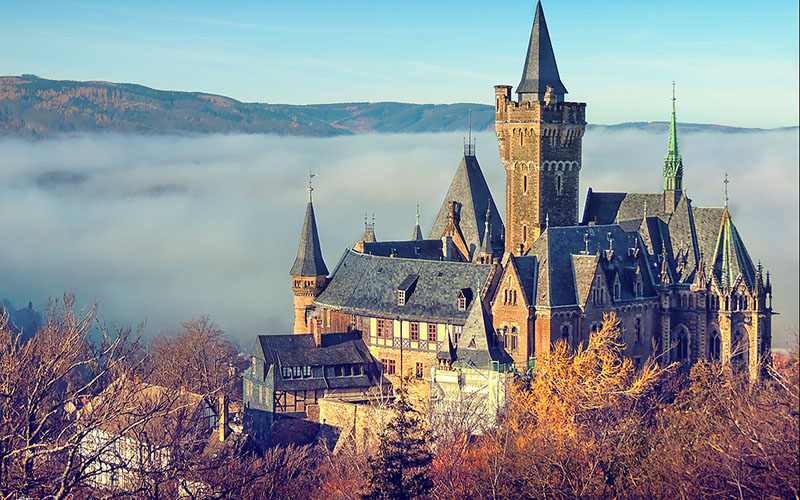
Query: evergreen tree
{"points": [[400, 469]]}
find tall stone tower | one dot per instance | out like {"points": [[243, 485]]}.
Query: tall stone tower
{"points": [[540, 145], [309, 273]]}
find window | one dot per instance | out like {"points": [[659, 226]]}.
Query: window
{"points": [[462, 303], [401, 297], [356, 370], [414, 331], [637, 329], [457, 334], [505, 296], [514, 339], [287, 372], [337, 371], [524, 232], [390, 368], [714, 346], [298, 372], [559, 187], [524, 184], [347, 370], [565, 332], [616, 290], [306, 371], [384, 328], [431, 332], [420, 370], [514, 295]]}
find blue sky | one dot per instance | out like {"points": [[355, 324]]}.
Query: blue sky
{"points": [[735, 63]]}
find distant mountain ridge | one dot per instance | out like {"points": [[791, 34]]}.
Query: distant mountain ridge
{"points": [[37, 107]]}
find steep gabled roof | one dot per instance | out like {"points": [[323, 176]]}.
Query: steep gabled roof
{"points": [[309, 253], [367, 285], [540, 70], [584, 267], [469, 188], [477, 346]]}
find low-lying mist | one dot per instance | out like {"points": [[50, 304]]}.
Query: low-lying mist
{"points": [[166, 228]]}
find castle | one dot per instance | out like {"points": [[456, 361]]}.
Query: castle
{"points": [[486, 294]]}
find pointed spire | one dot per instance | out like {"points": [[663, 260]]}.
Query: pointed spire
{"points": [[369, 230], [486, 245], [309, 260], [417, 230], [540, 71], [673, 162]]}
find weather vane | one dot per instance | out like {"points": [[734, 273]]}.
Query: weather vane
{"points": [[310, 176]]}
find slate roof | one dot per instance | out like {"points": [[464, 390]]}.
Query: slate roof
{"points": [[367, 285], [683, 235], [290, 350], [526, 268], [561, 277], [309, 253], [477, 346], [412, 249], [469, 188], [540, 68]]}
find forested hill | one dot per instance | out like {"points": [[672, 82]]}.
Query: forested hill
{"points": [[32, 106]]}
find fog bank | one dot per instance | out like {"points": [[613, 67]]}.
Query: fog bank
{"points": [[164, 229]]}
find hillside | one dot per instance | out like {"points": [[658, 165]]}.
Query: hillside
{"points": [[36, 107]]}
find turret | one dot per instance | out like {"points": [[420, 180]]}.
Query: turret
{"points": [[309, 273]]}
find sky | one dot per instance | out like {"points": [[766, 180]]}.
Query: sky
{"points": [[735, 62], [163, 229]]}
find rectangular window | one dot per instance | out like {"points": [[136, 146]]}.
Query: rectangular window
{"points": [[431, 332], [384, 365], [287, 372], [298, 371], [346, 370], [337, 371], [401, 298], [414, 331], [514, 342], [306, 371], [381, 328], [356, 370], [420, 371], [390, 367]]}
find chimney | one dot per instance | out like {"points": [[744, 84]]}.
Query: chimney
{"points": [[316, 332], [447, 247], [223, 417]]}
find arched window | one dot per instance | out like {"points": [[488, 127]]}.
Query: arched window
{"points": [[524, 184], [616, 290], [740, 346], [515, 297], [565, 332], [505, 296], [714, 346], [559, 187], [514, 340], [680, 341]]}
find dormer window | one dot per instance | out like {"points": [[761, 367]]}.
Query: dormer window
{"points": [[406, 288], [463, 298], [286, 372]]}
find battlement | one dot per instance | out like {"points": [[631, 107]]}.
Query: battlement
{"points": [[544, 112]]}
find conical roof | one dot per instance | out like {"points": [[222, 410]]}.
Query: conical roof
{"points": [[469, 188], [730, 256], [309, 254], [540, 70]]}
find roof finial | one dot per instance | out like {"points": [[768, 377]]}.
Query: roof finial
{"points": [[586, 243], [726, 181], [469, 145], [418, 214], [310, 189], [547, 220]]}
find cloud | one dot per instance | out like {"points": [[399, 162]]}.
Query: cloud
{"points": [[166, 228]]}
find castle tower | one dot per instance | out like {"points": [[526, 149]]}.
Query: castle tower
{"points": [[540, 145], [673, 165], [309, 273]]}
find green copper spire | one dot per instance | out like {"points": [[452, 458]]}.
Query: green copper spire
{"points": [[673, 163]]}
